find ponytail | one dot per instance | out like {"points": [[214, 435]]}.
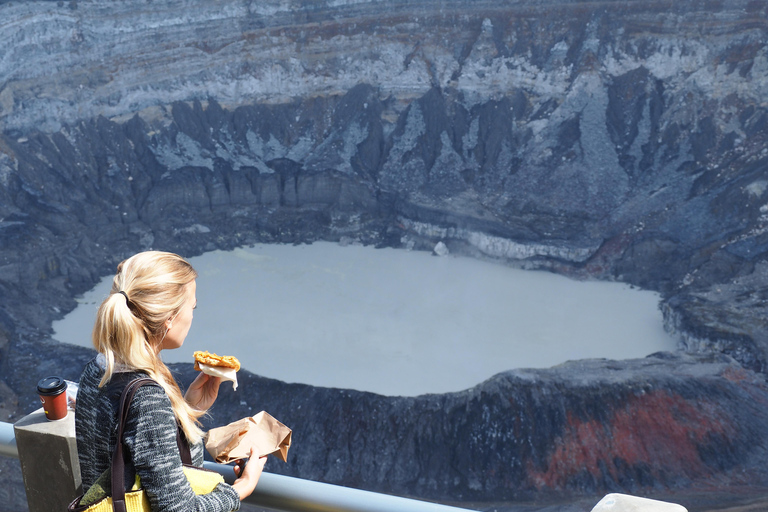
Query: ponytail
{"points": [[148, 289]]}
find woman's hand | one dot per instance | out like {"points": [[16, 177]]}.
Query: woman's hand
{"points": [[248, 475], [203, 391]]}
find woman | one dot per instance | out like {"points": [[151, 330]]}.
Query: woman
{"points": [[148, 310]]}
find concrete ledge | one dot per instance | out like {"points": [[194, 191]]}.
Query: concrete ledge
{"points": [[49, 464], [627, 503]]}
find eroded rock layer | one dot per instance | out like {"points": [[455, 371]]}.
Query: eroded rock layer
{"points": [[610, 140]]}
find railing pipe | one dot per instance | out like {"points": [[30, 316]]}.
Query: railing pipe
{"points": [[289, 494], [8, 440]]}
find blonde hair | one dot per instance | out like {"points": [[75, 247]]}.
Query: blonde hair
{"points": [[148, 289]]}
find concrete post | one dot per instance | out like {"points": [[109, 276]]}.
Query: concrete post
{"points": [[49, 464]]}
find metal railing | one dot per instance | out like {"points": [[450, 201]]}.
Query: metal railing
{"points": [[288, 494], [291, 494], [8, 440]]}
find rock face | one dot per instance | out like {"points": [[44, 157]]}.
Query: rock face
{"points": [[614, 140]]}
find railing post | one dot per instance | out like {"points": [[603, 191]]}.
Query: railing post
{"points": [[49, 464]]}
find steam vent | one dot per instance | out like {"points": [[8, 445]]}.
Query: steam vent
{"points": [[620, 141]]}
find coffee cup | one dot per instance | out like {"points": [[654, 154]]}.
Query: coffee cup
{"points": [[52, 391]]}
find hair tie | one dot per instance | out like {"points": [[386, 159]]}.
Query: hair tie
{"points": [[127, 300]]}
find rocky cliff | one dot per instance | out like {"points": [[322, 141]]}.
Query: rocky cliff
{"points": [[603, 140]]}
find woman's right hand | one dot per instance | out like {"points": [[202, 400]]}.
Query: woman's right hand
{"points": [[248, 476], [203, 391]]}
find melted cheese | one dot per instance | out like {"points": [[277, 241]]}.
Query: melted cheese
{"points": [[218, 371]]}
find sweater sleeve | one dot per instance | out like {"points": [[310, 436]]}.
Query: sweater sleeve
{"points": [[150, 437]]}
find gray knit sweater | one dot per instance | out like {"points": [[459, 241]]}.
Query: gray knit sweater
{"points": [[150, 437]]}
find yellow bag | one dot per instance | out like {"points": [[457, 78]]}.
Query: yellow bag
{"points": [[99, 499]]}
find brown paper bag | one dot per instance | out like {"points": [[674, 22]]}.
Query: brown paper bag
{"points": [[262, 432]]}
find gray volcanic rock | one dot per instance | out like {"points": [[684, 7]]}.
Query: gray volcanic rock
{"points": [[611, 140]]}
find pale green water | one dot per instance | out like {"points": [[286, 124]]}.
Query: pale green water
{"points": [[396, 322]]}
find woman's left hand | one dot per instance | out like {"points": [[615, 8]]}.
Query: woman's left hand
{"points": [[203, 391]]}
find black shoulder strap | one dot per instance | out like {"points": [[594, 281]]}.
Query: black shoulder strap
{"points": [[118, 457], [183, 444], [118, 460]]}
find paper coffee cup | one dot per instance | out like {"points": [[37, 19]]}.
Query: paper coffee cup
{"points": [[52, 391]]}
